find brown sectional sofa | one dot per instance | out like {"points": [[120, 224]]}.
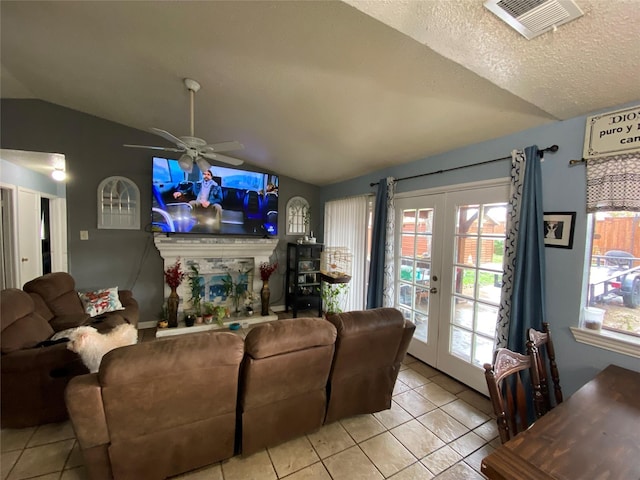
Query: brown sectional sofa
{"points": [[33, 378], [160, 408], [57, 301], [33, 371]]}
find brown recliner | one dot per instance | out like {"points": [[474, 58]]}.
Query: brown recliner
{"points": [[158, 409], [369, 350], [33, 374], [57, 301], [284, 378]]}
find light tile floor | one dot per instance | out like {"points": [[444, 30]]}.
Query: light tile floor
{"points": [[436, 428]]}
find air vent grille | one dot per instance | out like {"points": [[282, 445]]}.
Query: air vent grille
{"points": [[515, 8], [534, 17]]}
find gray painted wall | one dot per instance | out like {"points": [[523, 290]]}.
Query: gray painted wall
{"points": [[564, 190], [93, 150]]}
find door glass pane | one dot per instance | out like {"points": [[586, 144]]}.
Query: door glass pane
{"points": [[479, 250], [460, 343], [412, 277]]}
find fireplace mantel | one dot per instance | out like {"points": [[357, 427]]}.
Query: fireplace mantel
{"points": [[171, 248]]}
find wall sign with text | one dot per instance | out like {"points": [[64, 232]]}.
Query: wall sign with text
{"points": [[613, 133]]}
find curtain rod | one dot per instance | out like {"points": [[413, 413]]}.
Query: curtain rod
{"points": [[552, 149]]}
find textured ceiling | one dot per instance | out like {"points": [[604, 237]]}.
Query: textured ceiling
{"points": [[319, 91]]}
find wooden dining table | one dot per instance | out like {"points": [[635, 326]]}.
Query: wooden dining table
{"points": [[594, 435]]}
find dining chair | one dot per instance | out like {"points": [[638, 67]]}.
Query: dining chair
{"points": [[540, 347], [512, 401]]}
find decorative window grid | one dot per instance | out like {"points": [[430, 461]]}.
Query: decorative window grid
{"points": [[118, 204], [298, 214]]}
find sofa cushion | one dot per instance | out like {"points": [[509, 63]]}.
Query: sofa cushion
{"points": [[62, 322], [58, 291], [21, 326], [101, 301]]}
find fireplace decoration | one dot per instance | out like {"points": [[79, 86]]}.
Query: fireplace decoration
{"points": [[217, 258]]}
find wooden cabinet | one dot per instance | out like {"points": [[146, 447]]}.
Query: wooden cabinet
{"points": [[303, 277]]}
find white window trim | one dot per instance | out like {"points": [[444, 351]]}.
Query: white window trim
{"points": [[609, 340]]}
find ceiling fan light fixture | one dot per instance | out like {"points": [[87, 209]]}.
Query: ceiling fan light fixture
{"points": [[58, 175], [203, 165], [185, 162]]}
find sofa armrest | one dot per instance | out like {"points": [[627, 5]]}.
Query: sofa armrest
{"points": [[55, 359], [83, 397], [407, 335], [131, 311]]}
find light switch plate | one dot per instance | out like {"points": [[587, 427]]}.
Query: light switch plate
{"points": [[84, 234]]}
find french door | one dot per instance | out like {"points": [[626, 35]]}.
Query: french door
{"points": [[449, 251]]}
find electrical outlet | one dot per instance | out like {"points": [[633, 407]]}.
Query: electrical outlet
{"points": [[84, 234]]}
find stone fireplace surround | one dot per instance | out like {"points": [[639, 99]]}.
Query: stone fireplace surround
{"points": [[211, 249]]}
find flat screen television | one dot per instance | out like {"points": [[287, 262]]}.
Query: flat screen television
{"points": [[230, 202]]}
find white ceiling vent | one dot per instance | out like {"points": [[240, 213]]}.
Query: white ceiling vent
{"points": [[534, 17]]}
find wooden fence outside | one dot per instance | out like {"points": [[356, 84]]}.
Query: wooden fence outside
{"points": [[617, 233]]}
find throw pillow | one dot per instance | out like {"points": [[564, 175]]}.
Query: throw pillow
{"points": [[101, 301]]}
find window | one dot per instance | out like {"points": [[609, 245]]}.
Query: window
{"points": [[614, 271], [118, 204], [298, 216], [613, 266], [347, 223]]}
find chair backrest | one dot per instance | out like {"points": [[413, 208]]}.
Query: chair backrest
{"points": [[369, 349], [283, 381], [506, 380], [540, 347]]}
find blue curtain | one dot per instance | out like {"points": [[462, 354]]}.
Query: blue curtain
{"points": [[528, 297], [375, 289]]}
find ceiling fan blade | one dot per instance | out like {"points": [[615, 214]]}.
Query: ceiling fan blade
{"points": [[168, 136], [165, 149], [222, 158], [222, 147]]}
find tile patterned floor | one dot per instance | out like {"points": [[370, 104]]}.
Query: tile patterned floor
{"points": [[436, 429]]}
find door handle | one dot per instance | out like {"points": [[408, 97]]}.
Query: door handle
{"points": [[433, 290], [24, 259]]}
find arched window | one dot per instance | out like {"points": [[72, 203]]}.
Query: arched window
{"points": [[118, 204], [298, 216]]}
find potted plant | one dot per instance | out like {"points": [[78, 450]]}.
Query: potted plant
{"points": [[163, 317], [196, 291], [219, 312], [208, 310], [333, 296]]}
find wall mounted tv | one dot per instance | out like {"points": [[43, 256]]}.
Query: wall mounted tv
{"points": [[229, 201]]}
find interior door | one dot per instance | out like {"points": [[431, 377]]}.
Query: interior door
{"points": [[448, 276], [28, 234]]}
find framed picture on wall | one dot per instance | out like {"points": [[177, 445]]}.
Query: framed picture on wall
{"points": [[558, 229]]}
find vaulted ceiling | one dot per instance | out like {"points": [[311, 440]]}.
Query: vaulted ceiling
{"points": [[320, 91]]}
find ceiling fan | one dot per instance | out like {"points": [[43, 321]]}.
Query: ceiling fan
{"points": [[195, 149]]}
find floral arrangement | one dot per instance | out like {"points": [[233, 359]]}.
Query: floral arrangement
{"points": [[173, 275], [266, 269], [249, 298]]}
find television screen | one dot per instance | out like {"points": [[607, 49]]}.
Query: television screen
{"points": [[223, 200]]}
